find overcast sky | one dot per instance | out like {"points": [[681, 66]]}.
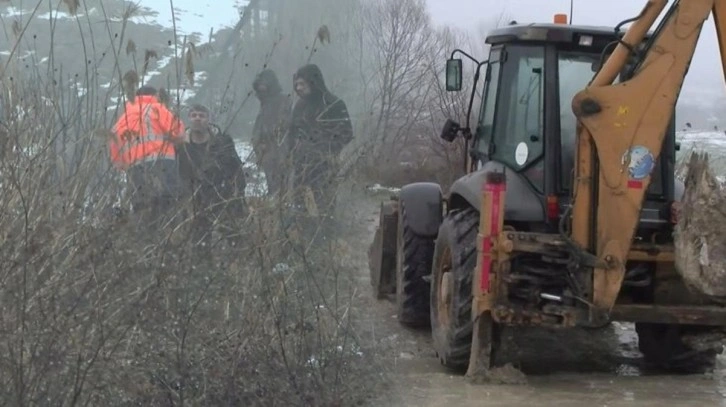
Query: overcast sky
{"points": [[705, 70], [201, 15]]}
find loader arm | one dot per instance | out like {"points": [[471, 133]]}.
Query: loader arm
{"points": [[621, 128]]}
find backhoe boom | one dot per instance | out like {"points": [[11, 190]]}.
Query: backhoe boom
{"points": [[621, 131]]}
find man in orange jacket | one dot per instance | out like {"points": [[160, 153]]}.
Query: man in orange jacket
{"points": [[143, 147]]}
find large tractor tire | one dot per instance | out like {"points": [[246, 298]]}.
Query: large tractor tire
{"points": [[413, 267], [451, 288]]}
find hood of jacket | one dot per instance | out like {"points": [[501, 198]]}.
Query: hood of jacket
{"points": [[269, 79], [314, 77]]}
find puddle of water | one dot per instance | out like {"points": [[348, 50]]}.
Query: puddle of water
{"points": [[564, 368], [427, 389]]}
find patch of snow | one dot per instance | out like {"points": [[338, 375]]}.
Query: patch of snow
{"points": [[377, 188], [12, 11], [256, 181], [58, 14], [17, 54], [701, 139], [282, 268]]}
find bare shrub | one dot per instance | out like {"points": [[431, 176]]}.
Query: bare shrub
{"points": [[94, 310], [97, 309], [408, 102]]}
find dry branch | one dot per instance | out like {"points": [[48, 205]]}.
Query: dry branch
{"points": [[189, 64], [130, 47], [147, 58], [130, 84]]}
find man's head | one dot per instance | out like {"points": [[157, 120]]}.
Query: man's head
{"points": [[302, 87], [308, 82], [266, 84], [198, 117], [146, 91]]}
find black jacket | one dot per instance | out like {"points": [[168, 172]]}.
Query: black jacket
{"points": [[212, 168], [272, 121], [320, 126]]}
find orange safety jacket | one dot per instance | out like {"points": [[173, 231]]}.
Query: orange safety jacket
{"points": [[144, 132]]}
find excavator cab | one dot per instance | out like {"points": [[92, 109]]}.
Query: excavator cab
{"points": [[526, 123]]}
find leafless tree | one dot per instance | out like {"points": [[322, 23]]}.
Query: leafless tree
{"points": [[401, 37]]}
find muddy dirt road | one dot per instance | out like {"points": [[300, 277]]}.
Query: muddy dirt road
{"points": [[565, 368]]}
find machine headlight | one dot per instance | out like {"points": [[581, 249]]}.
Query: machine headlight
{"points": [[586, 40]]}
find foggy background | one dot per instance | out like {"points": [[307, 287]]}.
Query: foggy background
{"points": [[702, 97], [151, 26]]}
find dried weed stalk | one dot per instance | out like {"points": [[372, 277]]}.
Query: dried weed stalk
{"points": [[148, 54], [130, 47], [131, 10], [130, 84], [17, 27], [189, 63], [72, 6]]}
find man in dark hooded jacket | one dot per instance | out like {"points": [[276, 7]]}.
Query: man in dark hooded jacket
{"points": [[270, 129], [320, 128], [214, 177]]}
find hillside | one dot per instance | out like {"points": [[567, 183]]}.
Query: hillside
{"points": [[91, 49]]}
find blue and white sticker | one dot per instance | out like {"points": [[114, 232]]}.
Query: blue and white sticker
{"points": [[641, 162]]}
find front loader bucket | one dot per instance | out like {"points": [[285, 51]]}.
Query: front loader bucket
{"points": [[382, 252]]}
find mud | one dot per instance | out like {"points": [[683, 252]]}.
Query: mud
{"points": [[507, 374], [598, 367]]}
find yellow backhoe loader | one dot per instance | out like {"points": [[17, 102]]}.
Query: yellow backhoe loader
{"points": [[566, 215]]}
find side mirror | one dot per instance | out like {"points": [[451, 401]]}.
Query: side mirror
{"points": [[450, 130], [453, 75]]}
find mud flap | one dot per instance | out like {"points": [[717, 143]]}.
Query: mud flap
{"points": [[483, 339], [382, 252], [491, 263]]}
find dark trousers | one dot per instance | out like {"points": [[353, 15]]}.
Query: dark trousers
{"points": [[155, 192], [315, 182], [319, 178], [223, 212]]}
